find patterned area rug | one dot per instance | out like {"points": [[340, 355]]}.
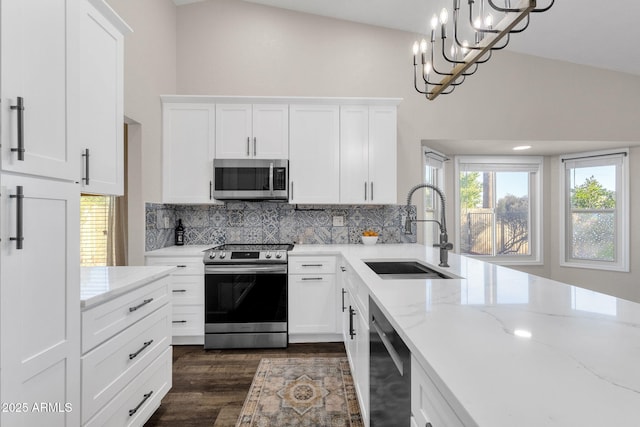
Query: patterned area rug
{"points": [[301, 392]]}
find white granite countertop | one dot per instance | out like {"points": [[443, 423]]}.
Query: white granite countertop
{"points": [[512, 348], [100, 284]]}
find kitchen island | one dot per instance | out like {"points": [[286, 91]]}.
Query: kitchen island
{"points": [[506, 348]]}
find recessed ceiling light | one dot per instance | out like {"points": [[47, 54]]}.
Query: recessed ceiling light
{"points": [[521, 147]]}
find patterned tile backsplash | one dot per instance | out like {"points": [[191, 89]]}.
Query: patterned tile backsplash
{"points": [[267, 222]]}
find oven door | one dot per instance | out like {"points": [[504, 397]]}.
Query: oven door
{"points": [[245, 298]]}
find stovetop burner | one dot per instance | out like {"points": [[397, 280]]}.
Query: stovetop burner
{"points": [[243, 253]]}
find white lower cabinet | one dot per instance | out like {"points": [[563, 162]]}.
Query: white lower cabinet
{"points": [[355, 327], [428, 406], [126, 361], [187, 298], [313, 299]]}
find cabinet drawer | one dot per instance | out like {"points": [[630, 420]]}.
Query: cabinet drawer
{"points": [[103, 321], [187, 290], [427, 404], [312, 265], [187, 320], [108, 368], [139, 400], [186, 265]]}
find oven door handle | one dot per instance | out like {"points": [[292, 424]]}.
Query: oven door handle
{"points": [[245, 269]]}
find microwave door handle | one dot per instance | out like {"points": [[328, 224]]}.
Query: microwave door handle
{"points": [[271, 178]]}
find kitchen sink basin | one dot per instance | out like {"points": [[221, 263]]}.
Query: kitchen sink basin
{"points": [[404, 270]]}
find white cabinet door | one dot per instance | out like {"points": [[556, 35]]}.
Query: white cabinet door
{"points": [[38, 64], [354, 154], [188, 132], [361, 361], [100, 106], [383, 155], [314, 154], [233, 131], [368, 144], [270, 131], [259, 131], [40, 301], [312, 304]]}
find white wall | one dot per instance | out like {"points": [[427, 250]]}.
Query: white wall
{"points": [[230, 47], [150, 70]]}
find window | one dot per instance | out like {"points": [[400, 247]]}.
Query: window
{"points": [[595, 210], [95, 212], [499, 208], [433, 163]]}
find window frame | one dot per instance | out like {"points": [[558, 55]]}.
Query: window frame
{"points": [[436, 161], [621, 263], [536, 243]]}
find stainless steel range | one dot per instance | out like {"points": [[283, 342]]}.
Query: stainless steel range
{"points": [[246, 296]]}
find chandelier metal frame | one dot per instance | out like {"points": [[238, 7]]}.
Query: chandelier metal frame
{"points": [[487, 39]]}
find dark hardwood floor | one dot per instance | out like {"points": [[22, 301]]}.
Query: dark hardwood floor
{"points": [[209, 386]]}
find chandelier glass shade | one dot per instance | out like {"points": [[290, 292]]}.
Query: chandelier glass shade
{"points": [[442, 63]]}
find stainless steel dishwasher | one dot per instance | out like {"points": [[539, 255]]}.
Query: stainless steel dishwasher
{"points": [[390, 373]]}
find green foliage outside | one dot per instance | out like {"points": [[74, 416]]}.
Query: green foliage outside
{"points": [[592, 195], [470, 190]]}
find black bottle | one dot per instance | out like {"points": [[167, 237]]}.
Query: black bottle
{"points": [[179, 234]]}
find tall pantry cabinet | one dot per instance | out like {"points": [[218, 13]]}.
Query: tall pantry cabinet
{"points": [[40, 175]]}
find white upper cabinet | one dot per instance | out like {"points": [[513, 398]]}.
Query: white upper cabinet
{"points": [[368, 145], [188, 132], [100, 113], [258, 131], [314, 154], [38, 65]]}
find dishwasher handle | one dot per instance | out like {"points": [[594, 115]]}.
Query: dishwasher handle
{"points": [[389, 346]]}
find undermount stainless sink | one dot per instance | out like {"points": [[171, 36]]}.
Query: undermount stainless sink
{"points": [[404, 270]]}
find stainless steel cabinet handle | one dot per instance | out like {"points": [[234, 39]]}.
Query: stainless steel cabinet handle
{"points": [[145, 302], [19, 107], [181, 266], [254, 146], [292, 191], [248, 146], [312, 278], [179, 290], [352, 313], [179, 321], [134, 410], [270, 176], [86, 165], [210, 190], [371, 190], [145, 345], [312, 265], [365, 190], [19, 196], [343, 307]]}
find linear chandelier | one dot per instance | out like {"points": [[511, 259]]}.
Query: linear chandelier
{"points": [[441, 65]]}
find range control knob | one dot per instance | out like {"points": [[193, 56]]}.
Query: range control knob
{"points": [[212, 255], [223, 255], [279, 255], [268, 255]]}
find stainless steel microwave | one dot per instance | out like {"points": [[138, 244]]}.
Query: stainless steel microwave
{"points": [[250, 179]]}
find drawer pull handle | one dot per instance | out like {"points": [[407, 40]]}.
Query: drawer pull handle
{"points": [[181, 266], [343, 307], [312, 278], [145, 302], [134, 410], [19, 107], [179, 321], [145, 345], [179, 290], [312, 265], [19, 196]]}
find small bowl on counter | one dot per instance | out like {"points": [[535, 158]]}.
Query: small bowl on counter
{"points": [[369, 240]]}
